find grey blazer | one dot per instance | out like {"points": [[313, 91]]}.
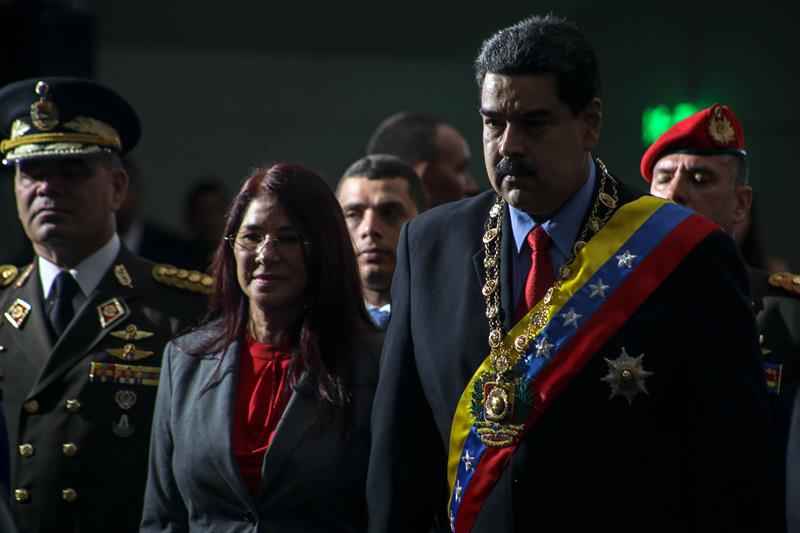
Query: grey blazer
{"points": [[313, 478]]}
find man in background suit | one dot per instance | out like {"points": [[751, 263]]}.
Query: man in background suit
{"points": [[85, 324], [378, 194], [565, 354]]}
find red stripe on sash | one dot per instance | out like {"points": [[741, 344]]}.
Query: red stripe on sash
{"points": [[574, 355]]}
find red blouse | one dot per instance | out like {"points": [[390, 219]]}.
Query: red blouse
{"points": [[260, 402]]}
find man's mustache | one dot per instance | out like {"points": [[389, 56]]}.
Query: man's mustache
{"points": [[508, 166]]}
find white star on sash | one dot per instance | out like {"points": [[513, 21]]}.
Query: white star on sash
{"points": [[458, 491], [543, 348], [571, 317], [467, 459], [598, 288], [625, 259]]}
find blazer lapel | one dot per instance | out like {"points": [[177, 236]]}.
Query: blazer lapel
{"points": [[298, 417], [218, 403]]}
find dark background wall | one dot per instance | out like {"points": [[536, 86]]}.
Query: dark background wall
{"points": [[222, 86]]}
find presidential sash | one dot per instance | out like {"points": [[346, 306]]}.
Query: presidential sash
{"points": [[613, 274]]}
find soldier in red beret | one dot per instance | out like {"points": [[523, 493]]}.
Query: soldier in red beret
{"points": [[701, 163]]}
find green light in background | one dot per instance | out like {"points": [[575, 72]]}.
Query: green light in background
{"points": [[656, 120]]}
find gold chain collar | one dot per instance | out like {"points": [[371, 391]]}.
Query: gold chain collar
{"points": [[502, 357]]}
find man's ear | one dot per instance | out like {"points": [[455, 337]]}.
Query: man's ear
{"points": [[592, 117], [119, 181], [744, 200]]}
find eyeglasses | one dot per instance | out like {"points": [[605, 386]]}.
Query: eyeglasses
{"points": [[254, 241]]}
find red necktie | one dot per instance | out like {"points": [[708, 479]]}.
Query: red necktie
{"points": [[540, 276]]}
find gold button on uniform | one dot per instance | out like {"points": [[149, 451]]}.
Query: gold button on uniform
{"points": [[26, 450], [69, 448], [69, 495], [21, 495], [31, 406], [73, 405]]}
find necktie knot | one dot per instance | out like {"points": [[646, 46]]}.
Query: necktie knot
{"points": [[539, 240], [380, 318], [60, 298]]}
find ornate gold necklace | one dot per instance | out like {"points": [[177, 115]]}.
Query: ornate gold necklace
{"points": [[498, 396]]}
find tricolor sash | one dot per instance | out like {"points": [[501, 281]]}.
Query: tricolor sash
{"points": [[617, 270]]}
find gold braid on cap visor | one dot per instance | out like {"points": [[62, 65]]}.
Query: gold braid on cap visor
{"points": [[46, 138]]}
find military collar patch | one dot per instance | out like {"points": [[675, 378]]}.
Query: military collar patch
{"points": [[121, 273], [24, 276], [626, 376], [18, 312], [110, 311]]}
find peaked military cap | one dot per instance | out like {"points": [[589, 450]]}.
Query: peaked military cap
{"points": [[714, 130], [64, 117]]}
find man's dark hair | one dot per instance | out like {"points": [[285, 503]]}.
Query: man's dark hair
{"points": [[541, 45], [384, 166], [409, 136]]}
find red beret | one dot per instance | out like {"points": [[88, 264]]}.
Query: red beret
{"points": [[715, 130]]}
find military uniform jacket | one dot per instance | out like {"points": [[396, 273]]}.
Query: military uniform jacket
{"points": [[690, 455], [79, 448]]}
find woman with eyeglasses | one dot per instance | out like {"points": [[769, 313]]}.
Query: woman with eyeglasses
{"points": [[262, 416]]}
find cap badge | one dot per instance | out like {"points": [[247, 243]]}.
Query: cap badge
{"points": [[626, 376], [44, 113], [720, 128]]}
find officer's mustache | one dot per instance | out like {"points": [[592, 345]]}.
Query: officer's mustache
{"points": [[508, 166]]}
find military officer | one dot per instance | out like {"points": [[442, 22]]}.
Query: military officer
{"points": [[701, 163], [84, 325]]}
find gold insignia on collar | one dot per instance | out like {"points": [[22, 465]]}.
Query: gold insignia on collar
{"points": [[8, 274], [122, 275], [132, 333], [626, 376], [24, 276], [129, 352], [110, 312], [44, 113], [720, 128], [18, 312]]}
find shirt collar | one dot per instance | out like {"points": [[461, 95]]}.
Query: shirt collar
{"points": [[563, 226], [87, 273], [385, 307]]}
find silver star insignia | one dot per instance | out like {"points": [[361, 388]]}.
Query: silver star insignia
{"points": [[543, 348], [598, 288], [626, 376], [468, 460], [626, 259], [458, 491], [571, 317]]}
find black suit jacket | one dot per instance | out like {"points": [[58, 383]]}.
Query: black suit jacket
{"points": [[74, 446], [313, 474], [693, 454]]}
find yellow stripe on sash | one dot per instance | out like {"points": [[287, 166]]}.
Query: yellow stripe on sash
{"points": [[594, 255]]}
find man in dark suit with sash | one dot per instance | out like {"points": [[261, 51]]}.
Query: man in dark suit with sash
{"points": [[565, 354], [84, 325]]}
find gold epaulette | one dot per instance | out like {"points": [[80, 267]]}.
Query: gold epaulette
{"points": [[191, 280], [8, 273], [786, 280]]}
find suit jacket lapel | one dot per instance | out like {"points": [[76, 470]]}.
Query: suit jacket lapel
{"points": [[299, 416], [85, 330], [217, 404]]}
